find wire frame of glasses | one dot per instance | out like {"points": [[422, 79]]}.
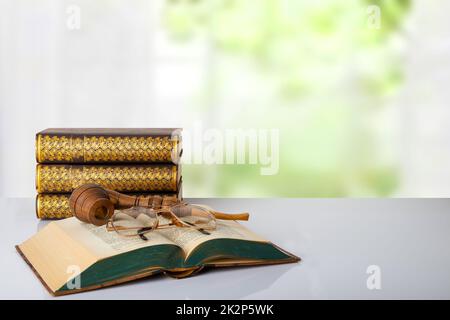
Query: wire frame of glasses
{"points": [[138, 221]]}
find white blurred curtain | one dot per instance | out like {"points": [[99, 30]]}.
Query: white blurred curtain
{"points": [[116, 70], [423, 103]]}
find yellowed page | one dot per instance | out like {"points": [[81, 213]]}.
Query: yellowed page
{"points": [[54, 256], [67, 245], [188, 238], [103, 243]]}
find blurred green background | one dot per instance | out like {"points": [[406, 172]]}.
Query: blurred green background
{"points": [[322, 72], [357, 89]]}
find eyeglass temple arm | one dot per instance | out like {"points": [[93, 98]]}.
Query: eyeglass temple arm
{"points": [[231, 216]]}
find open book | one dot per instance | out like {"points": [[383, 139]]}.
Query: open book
{"points": [[69, 256]]}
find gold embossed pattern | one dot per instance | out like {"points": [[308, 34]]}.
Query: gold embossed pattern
{"points": [[53, 206], [54, 149], [77, 149], [65, 178], [105, 149], [56, 206]]}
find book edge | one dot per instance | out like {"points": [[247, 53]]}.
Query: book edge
{"points": [[175, 174], [112, 131], [38, 202], [34, 270], [174, 133]]}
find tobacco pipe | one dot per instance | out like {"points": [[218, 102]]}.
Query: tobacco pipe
{"points": [[91, 203]]}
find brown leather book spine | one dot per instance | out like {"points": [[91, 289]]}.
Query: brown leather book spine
{"points": [[123, 178], [80, 146]]}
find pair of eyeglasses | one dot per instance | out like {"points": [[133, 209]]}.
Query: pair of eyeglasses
{"points": [[139, 221]]}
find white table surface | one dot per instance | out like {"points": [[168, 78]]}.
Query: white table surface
{"points": [[337, 239]]}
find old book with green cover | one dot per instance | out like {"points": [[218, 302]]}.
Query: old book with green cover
{"points": [[104, 258]]}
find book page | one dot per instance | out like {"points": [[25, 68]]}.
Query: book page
{"points": [[68, 243], [52, 253], [188, 238], [103, 243]]}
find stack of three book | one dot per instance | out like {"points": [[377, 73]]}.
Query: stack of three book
{"points": [[134, 161]]}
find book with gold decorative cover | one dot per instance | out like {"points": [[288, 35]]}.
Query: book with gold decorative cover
{"points": [[51, 206], [57, 178], [120, 145]]}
